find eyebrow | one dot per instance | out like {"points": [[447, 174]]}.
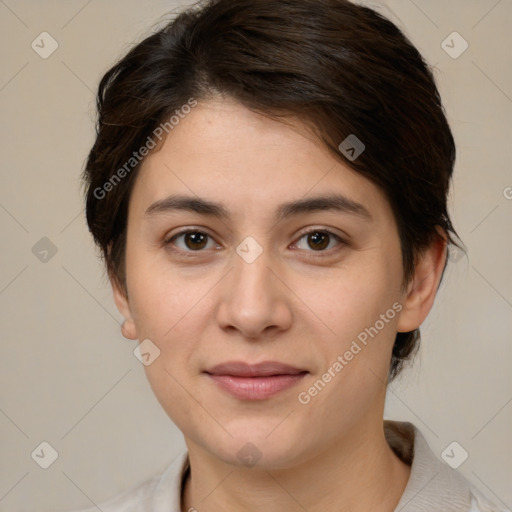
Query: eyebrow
{"points": [[338, 203]]}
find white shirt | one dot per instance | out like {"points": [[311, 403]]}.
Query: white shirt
{"points": [[433, 486]]}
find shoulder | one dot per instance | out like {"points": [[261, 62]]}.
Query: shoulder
{"points": [[161, 492], [433, 485], [480, 502]]}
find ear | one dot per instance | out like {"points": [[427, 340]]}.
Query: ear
{"points": [[128, 329], [423, 286]]}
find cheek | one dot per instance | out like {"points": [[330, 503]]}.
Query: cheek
{"points": [[161, 296], [170, 311], [172, 308], [359, 311], [348, 303]]}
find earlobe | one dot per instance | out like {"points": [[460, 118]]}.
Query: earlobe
{"points": [[421, 292], [128, 327]]}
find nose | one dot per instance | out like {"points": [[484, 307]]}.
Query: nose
{"points": [[254, 299]]}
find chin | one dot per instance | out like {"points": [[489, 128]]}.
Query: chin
{"points": [[264, 445]]}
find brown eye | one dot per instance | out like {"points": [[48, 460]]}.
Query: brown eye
{"points": [[195, 240], [191, 241], [318, 240], [321, 241]]}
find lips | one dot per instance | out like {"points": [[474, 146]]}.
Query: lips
{"points": [[255, 381], [265, 369]]}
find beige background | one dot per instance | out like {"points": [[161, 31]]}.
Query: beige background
{"points": [[69, 378]]}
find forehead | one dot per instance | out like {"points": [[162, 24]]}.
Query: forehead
{"points": [[228, 154]]}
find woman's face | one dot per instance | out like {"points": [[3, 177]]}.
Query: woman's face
{"points": [[268, 273]]}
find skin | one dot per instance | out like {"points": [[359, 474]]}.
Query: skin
{"points": [[291, 305]]}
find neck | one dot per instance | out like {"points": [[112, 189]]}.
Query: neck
{"points": [[359, 472]]}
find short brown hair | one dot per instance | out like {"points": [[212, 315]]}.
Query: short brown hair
{"points": [[339, 67]]}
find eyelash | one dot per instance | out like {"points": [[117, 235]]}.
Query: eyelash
{"points": [[315, 254]]}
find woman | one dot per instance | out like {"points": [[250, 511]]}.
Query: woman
{"points": [[268, 186]]}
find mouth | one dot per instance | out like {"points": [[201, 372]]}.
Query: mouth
{"points": [[255, 381]]}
